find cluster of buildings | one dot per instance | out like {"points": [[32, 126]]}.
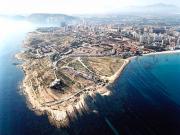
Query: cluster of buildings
{"points": [[155, 37], [98, 40], [105, 40]]}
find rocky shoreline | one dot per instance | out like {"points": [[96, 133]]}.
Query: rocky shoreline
{"points": [[61, 117]]}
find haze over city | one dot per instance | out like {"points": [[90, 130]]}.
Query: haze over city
{"points": [[74, 6]]}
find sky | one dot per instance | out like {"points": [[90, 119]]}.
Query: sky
{"points": [[73, 6]]}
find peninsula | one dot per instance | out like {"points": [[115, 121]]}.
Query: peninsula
{"points": [[63, 66]]}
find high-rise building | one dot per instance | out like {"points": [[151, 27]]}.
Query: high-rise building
{"points": [[178, 41]]}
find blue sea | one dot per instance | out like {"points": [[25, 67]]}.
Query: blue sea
{"points": [[145, 99], [15, 117]]}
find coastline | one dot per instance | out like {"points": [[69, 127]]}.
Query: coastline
{"points": [[59, 118], [114, 77], [163, 52], [128, 60]]}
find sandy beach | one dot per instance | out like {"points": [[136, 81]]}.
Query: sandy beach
{"points": [[164, 52], [128, 60], [113, 78]]}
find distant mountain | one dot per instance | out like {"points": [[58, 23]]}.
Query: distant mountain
{"points": [[159, 8], [51, 19], [162, 8], [43, 19], [161, 5]]}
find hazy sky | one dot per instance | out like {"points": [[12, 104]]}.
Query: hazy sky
{"points": [[72, 6]]}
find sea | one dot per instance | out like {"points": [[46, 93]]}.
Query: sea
{"points": [[145, 99]]}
